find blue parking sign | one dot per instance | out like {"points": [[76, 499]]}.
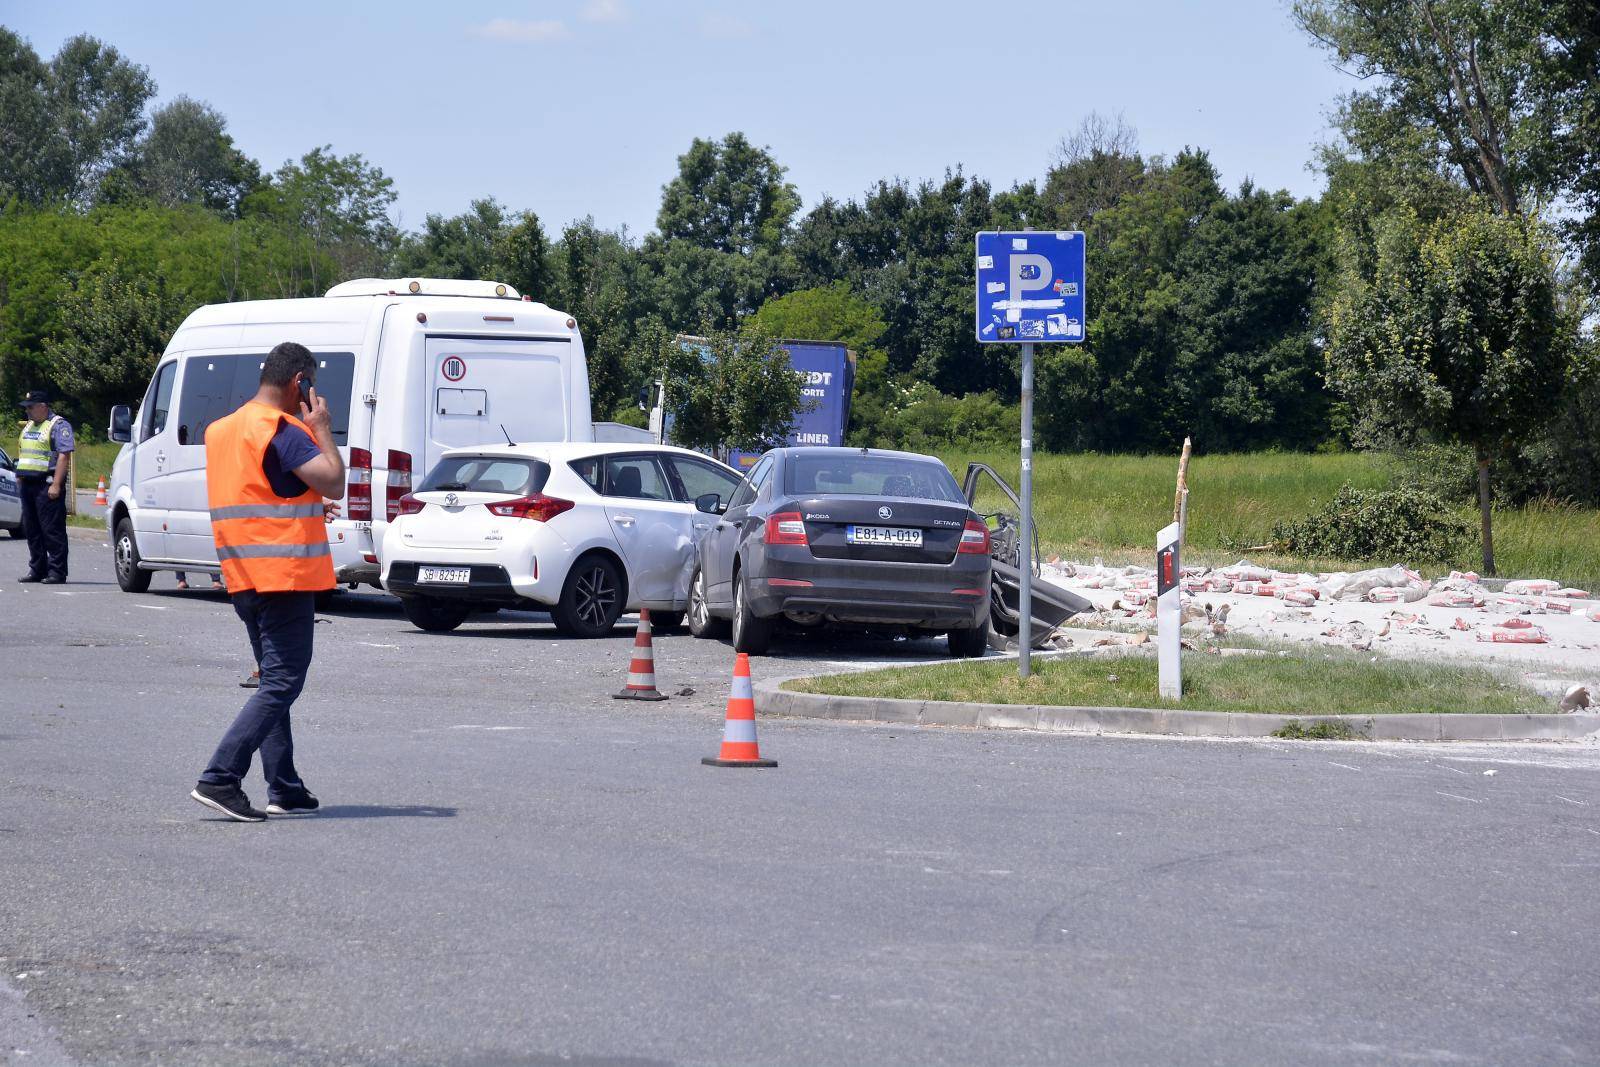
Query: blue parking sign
{"points": [[1030, 286]]}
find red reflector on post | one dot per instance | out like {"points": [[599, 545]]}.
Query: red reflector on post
{"points": [[358, 490], [785, 528]]}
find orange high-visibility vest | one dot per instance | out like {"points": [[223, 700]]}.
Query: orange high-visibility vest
{"points": [[264, 541]]}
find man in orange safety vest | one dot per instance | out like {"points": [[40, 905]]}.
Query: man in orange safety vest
{"points": [[268, 467]]}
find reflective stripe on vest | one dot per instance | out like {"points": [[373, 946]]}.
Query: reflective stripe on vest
{"points": [[265, 542], [33, 447]]}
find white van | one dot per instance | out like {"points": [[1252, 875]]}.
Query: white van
{"points": [[409, 367]]}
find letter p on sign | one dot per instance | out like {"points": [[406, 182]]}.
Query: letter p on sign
{"points": [[1024, 280]]}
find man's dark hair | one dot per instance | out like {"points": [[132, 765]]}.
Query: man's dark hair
{"points": [[287, 360]]}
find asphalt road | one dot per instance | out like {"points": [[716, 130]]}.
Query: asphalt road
{"points": [[512, 868]]}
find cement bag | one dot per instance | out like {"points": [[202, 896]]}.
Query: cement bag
{"points": [[1532, 587], [1361, 583]]}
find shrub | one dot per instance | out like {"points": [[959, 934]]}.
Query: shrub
{"points": [[1379, 524]]}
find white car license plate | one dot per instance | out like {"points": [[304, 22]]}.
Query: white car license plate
{"points": [[883, 535], [445, 575]]}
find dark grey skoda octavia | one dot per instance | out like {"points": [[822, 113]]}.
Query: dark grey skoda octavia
{"points": [[856, 537]]}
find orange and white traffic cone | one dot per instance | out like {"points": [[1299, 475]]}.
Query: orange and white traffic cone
{"points": [[739, 748], [100, 494], [642, 668]]}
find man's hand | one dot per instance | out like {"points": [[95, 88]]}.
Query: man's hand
{"points": [[330, 510], [316, 416], [55, 491]]}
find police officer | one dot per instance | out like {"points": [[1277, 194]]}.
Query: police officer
{"points": [[42, 479], [268, 467]]}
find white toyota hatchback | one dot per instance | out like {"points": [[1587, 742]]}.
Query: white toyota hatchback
{"points": [[582, 530]]}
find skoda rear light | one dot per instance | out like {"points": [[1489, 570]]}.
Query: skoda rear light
{"points": [[538, 507], [785, 528], [399, 484], [406, 505], [358, 491], [975, 539]]}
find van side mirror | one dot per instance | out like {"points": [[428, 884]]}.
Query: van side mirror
{"points": [[710, 503], [121, 427]]}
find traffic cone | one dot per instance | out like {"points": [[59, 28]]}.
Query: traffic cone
{"points": [[642, 668], [100, 494], [739, 748]]}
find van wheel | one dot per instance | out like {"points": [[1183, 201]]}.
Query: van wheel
{"points": [[129, 576], [968, 643], [435, 616], [701, 622], [666, 622], [751, 635], [591, 599]]}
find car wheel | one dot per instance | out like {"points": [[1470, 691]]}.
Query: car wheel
{"points": [[751, 635], [591, 599], [969, 642], [129, 576], [435, 616], [666, 622], [701, 622]]}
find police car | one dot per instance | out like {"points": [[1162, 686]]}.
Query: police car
{"points": [[10, 496]]}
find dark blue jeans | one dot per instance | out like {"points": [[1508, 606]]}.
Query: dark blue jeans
{"points": [[280, 627], [44, 524]]}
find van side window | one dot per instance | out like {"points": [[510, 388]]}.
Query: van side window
{"points": [[206, 395], [158, 402]]}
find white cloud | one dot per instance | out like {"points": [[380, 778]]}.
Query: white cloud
{"points": [[520, 31], [720, 27], [604, 11]]}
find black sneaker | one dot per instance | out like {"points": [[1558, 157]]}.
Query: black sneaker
{"points": [[31, 578], [54, 579], [229, 800], [301, 803]]}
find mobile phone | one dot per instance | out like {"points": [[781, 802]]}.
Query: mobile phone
{"points": [[305, 392]]}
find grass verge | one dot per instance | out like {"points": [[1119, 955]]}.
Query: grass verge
{"points": [[1321, 683], [1089, 505]]}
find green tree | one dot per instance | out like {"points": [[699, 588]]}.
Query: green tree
{"points": [[522, 257], [461, 246], [733, 390], [114, 328], [1095, 167], [35, 163], [98, 98], [728, 196], [597, 280], [188, 158], [1502, 97], [337, 209], [1460, 333]]}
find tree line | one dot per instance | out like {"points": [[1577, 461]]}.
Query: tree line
{"points": [[1439, 293]]}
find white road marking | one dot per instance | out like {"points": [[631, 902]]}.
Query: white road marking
{"points": [[150, 607], [1346, 766], [1569, 800], [1457, 796]]}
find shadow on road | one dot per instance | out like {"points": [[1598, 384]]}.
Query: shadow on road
{"points": [[385, 811]]}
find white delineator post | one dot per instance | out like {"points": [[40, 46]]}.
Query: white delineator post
{"points": [[1169, 611]]}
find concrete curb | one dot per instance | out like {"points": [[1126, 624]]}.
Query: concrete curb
{"points": [[772, 699]]}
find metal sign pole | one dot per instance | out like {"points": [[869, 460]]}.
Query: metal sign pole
{"points": [[1025, 541]]}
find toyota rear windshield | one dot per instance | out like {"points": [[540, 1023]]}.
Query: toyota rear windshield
{"points": [[486, 474], [847, 474]]}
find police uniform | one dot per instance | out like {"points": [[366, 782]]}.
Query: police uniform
{"points": [[275, 559], [44, 521]]}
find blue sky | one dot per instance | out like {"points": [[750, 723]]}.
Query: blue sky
{"points": [[580, 107]]}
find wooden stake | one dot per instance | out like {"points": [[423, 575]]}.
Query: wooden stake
{"points": [[1180, 499]]}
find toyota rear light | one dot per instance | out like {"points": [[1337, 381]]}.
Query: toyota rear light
{"points": [[406, 505], [785, 528], [399, 484], [358, 490], [538, 507], [975, 538]]}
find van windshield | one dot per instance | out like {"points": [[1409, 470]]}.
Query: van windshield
{"points": [[513, 475]]}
